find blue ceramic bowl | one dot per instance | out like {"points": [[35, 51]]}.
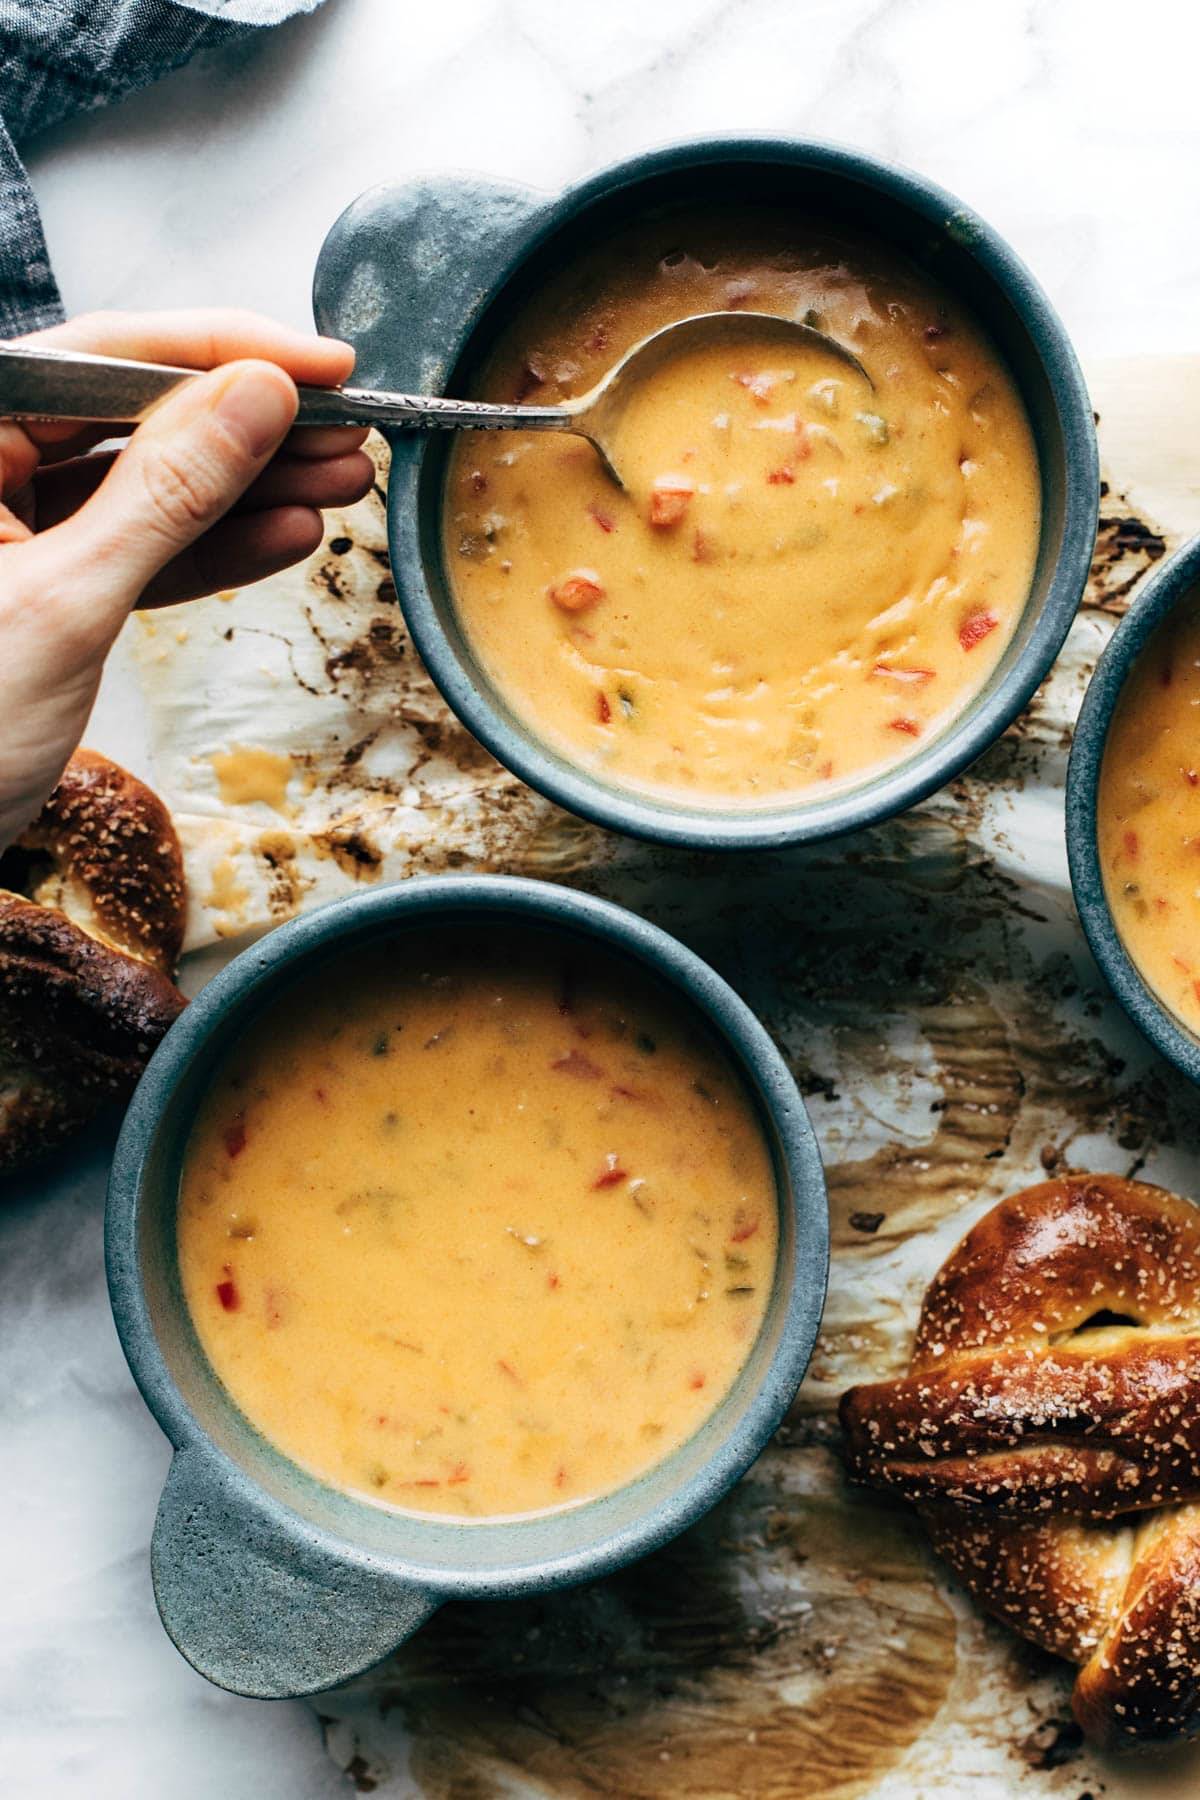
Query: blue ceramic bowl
{"points": [[1171, 583], [420, 275], [272, 1583]]}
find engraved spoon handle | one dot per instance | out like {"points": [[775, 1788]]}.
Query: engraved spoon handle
{"points": [[38, 383]]}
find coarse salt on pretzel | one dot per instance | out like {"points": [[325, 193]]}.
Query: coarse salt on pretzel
{"points": [[1049, 1430]]}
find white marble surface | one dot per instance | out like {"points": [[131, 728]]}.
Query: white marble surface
{"points": [[1068, 123]]}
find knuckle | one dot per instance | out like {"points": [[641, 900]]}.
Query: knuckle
{"points": [[239, 321], [184, 488], [228, 328]]}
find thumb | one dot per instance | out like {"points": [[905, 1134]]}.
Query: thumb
{"points": [[184, 467]]}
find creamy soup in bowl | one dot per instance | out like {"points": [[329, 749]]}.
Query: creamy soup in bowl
{"points": [[814, 605], [1133, 810], [808, 575], [477, 1224], [1148, 813]]}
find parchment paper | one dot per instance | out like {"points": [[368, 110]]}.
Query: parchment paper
{"points": [[931, 989]]}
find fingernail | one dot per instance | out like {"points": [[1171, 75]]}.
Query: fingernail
{"points": [[259, 406]]}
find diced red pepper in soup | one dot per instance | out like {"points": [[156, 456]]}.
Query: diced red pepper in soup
{"points": [[612, 1174], [577, 591], [670, 498], [974, 629]]}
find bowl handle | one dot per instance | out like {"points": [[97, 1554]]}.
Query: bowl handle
{"points": [[264, 1611], [407, 266]]}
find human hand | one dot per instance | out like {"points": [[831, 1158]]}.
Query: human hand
{"points": [[213, 490]]}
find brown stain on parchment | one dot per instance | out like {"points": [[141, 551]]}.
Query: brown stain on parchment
{"points": [[755, 1657], [941, 949], [1127, 547], [411, 743], [287, 883], [1008, 1066]]}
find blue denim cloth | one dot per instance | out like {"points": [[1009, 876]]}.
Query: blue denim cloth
{"points": [[59, 57]]}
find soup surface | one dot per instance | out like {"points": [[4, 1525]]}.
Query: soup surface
{"points": [[469, 1229], [805, 576], [1148, 820]]}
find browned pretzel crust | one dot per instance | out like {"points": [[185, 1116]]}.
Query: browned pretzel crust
{"points": [[86, 953], [1049, 1427], [103, 851]]}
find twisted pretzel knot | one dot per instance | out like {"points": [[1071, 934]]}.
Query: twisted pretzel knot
{"points": [[1049, 1430]]}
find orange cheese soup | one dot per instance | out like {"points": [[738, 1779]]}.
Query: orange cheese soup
{"points": [[806, 577], [1148, 816], [465, 1228]]}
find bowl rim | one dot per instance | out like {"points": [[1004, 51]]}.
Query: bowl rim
{"points": [[799, 1308], [1159, 595], [653, 818]]}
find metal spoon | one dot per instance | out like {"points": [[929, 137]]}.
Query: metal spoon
{"points": [[40, 383]]}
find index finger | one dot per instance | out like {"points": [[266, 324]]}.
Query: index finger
{"points": [[202, 338]]}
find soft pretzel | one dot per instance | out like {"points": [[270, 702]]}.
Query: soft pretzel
{"points": [[1049, 1429], [103, 851], [92, 908]]}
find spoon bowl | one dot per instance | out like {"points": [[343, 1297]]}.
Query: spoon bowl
{"points": [[597, 414]]}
